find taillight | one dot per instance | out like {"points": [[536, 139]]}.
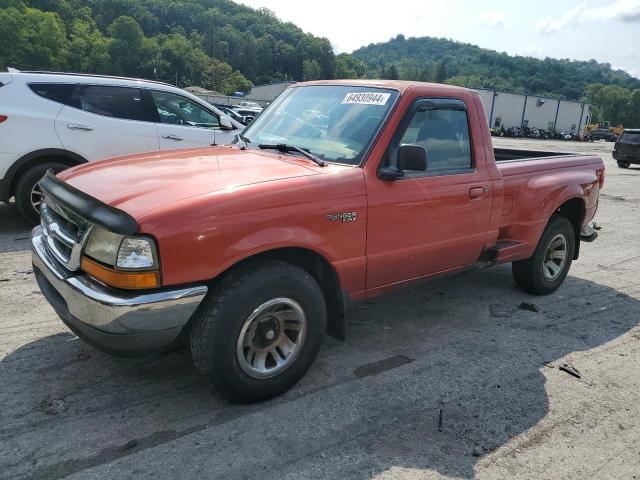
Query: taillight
{"points": [[3, 118], [600, 174]]}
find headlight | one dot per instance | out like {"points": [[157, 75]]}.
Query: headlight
{"points": [[136, 253], [103, 245], [120, 261]]}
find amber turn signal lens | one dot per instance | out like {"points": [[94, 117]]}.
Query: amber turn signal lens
{"points": [[119, 279]]}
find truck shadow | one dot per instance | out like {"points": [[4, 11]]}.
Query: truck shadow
{"points": [[15, 232], [459, 345]]}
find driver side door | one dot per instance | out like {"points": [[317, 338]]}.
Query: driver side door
{"points": [[435, 220], [183, 123]]}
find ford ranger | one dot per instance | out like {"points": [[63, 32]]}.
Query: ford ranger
{"points": [[339, 191]]}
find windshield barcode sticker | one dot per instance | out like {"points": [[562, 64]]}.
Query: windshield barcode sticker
{"points": [[366, 98]]}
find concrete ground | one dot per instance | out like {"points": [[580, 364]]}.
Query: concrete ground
{"points": [[450, 379]]}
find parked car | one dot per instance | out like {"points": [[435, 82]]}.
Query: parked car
{"points": [[233, 114], [627, 149], [252, 251], [249, 105], [603, 134], [249, 114], [54, 121]]}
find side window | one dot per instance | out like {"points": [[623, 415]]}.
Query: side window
{"points": [[178, 110], [57, 92], [444, 134], [118, 102]]}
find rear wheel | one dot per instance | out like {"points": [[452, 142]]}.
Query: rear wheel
{"points": [[545, 271], [28, 196], [623, 164], [258, 332]]}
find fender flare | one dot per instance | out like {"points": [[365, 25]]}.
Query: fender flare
{"points": [[7, 183], [337, 298]]}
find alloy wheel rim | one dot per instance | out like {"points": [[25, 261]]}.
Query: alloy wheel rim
{"points": [[555, 257], [271, 338], [36, 197]]}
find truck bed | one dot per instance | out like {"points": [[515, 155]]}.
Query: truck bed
{"points": [[534, 182], [513, 162], [508, 154]]}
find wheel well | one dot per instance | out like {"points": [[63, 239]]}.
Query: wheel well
{"points": [[45, 157], [574, 211], [322, 271]]}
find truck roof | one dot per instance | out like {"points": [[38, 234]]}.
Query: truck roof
{"points": [[399, 85]]}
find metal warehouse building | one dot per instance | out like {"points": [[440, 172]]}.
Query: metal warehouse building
{"points": [[506, 109], [268, 92]]}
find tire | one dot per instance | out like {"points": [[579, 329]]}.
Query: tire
{"points": [[25, 188], [534, 275], [623, 164], [227, 311]]}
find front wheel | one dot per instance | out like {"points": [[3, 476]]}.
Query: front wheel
{"points": [[258, 332], [28, 196], [545, 271]]}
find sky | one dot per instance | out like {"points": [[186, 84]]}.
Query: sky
{"points": [[607, 30]]}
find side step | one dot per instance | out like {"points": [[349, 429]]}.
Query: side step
{"points": [[501, 249]]}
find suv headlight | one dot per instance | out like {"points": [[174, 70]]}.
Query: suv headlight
{"points": [[121, 261]]}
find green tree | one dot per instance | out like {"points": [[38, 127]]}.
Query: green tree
{"points": [[220, 77], [633, 120], [311, 70], [32, 39], [348, 67], [127, 46], [390, 72], [609, 102], [89, 49], [440, 72]]}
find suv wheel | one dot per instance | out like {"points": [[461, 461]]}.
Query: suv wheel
{"points": [[27, 193], [545, 271], [623, 164], [258, 332]]}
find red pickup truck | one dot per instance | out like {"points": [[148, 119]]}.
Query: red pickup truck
{"points": [[339, 191]]}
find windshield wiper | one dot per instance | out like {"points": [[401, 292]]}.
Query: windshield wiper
{"points": [[243, 140], [283, 147]]}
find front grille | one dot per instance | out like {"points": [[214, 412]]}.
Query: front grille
{"points": [[64, 233]]}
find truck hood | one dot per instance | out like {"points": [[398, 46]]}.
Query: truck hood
{"points": [[141, 183]]}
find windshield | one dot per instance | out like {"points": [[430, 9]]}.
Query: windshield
{"points": [[333, 122]]}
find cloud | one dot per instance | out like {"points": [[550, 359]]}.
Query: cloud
{"points": [[622, 10], [494, 19], [569, 19], [531, 50]]}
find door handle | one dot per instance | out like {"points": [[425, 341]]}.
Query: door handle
{"points": [[76, 126], [172, 137], [476, 193]]}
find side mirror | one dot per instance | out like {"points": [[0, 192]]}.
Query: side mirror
{"points": [[225, 123], [412, 157]]}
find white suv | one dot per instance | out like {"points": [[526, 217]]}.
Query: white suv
{"points": [[54, 121]]}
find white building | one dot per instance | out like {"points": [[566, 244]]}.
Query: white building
{"points": [[506, 109]]}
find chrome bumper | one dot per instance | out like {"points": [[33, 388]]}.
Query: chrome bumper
{"points": [[107, 316]]}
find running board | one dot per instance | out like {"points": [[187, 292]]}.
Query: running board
{"points": [[500, 250]]}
